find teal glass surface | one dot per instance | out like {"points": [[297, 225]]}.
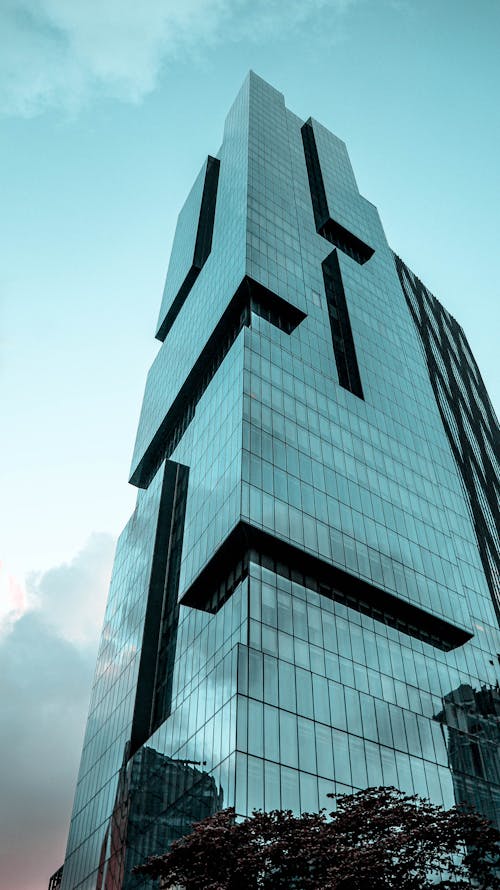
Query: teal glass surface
{"points": [[343, 631]]}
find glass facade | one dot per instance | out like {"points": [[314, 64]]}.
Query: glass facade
{"points": [[304, 598]]}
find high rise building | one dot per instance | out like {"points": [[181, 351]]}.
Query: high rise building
{"points": [[306, 596]]}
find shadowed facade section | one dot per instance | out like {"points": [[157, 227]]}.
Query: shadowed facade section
{"points": [[467, 414]]}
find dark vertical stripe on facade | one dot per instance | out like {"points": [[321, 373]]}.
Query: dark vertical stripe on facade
{"points": [[162, 612], [338, 312], [205, 232], [169, 623], [203, 244], [340, 324], [329, 228], [316, 184]]}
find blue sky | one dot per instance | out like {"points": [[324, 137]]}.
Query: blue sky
{"points": [[107, 110]]}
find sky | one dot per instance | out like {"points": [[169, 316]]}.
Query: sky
{"points": [[107, 110]]}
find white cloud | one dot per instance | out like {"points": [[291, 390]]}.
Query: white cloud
{"points": [[61, 52], [72, 596], [46, 663], [13, 599]]}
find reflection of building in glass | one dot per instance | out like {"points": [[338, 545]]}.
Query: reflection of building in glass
{"points": [[311, 565], [472, 718], [56, 879], [158, 800]]}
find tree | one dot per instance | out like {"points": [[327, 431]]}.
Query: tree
{"points": [[378, 839]]}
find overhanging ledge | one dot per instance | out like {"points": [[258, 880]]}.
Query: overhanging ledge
{"points": [[246, 543], [250, 297]]}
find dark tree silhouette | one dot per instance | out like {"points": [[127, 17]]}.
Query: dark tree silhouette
{"points": [[378, 839]]}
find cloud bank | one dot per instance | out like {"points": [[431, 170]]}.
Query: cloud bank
{"points": [[57, 53], [46, 665]]}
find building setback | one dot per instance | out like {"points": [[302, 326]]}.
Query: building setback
{"points": [[306, 596]]}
